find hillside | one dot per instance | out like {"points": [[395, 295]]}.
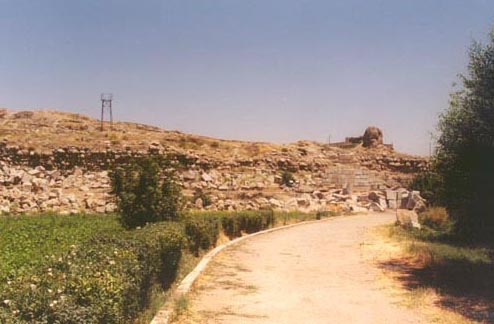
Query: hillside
{"points": [[237, 174]]}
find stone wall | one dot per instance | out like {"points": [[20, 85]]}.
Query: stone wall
{"points": [[70, 180]]}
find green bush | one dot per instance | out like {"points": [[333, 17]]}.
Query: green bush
{"points": [[429, 184], [287, 179], [233, 224], [26, 241], [246, 221], [108, 279], [146, 191], [202, 231]]}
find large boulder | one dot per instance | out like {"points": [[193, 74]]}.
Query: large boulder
{"points": [[373, 137], [416, 202], [407, 218]]}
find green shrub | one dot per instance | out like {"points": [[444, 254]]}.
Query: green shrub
{"points": [[26, 241], [429, 185], [200, 194], [233, 224], [287, 179], [202, 231], [108, 279], [246, 221], [146, 191]]}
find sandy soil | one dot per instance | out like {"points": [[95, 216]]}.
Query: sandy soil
{"points": [[314, 273]]}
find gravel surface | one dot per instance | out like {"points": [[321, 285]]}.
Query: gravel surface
{"points": [[313, 273]]}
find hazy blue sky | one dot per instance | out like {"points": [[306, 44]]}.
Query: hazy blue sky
{"points": [[270, 70]]}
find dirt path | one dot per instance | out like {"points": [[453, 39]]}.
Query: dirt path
{"points": [[314, 273]]}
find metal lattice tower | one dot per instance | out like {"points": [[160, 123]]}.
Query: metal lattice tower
{"points": [[106, 101]]}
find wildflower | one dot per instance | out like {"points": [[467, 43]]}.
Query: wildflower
{"points": [[59, 290], [50, 291], [9, 282], [15, 312], [112, 262], [7, 301], [32, 286]]}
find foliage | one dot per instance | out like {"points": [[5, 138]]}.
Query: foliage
{"points": [[465, 155], [202, 231], [233, 224], [430, 187], [436, 218], [26, 242], [246, 221], [106, 279], [146, 191], [287, 179]]}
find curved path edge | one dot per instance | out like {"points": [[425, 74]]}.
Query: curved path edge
{"points": [[164, 314]]}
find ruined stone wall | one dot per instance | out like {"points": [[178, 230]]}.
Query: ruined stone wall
{"points": [[70, 180]]}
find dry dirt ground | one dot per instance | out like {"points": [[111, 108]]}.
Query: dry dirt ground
{"points": [[314, 273]]}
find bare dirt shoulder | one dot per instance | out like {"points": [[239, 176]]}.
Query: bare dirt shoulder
{"points": [[319, 273]]}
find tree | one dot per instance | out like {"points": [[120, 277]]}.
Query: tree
{"points": [[430, 186], [465, 152], [146, 191]]}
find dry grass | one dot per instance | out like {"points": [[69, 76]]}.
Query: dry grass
{"points": [[435, 217], [448, 284]]}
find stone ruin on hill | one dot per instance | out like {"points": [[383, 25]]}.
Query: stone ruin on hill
{"points": [[372, 138]]}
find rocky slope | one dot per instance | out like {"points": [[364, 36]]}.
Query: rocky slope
{"points": [[59, 161]]}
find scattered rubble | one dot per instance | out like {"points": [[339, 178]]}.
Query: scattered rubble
{"points": [[27, 190]]}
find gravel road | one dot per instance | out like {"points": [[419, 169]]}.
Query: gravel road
{"points": [[313, 273]]}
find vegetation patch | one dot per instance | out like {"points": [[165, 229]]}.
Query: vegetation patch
{"points": [[107, 278], [461, 275]]}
